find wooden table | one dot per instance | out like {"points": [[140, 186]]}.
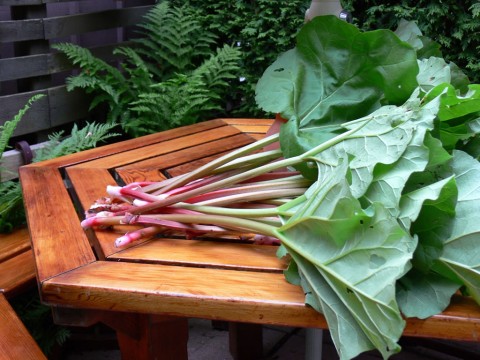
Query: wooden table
{"points": [[146, 291]]}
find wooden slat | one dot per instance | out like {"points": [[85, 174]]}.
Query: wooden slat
{"points": [[59, 246], [17, 274], [242, 296], [204, 253], [29, 2], [14, 243], [192, 165], [13, 159], [139, 170], [116, 148], [17, 265], [15, 340], [21, 67], [251, 126], [61, 26], [94, 188], [21, 30], [66, 106], [165, 147], [59, 107], [57, 27], [34, 120]]}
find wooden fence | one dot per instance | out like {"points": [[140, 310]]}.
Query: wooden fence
{"points": [[29, 66]]}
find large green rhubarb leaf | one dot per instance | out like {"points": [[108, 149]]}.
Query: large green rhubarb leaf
{"points": [[421, 292], [348, 261], [386, 147], [336, 73], [459, 113], [461, 250], [389, 180]]}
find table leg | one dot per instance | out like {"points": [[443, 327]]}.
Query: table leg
{"points": [[246, 341], [160, 337], [140, 336]]}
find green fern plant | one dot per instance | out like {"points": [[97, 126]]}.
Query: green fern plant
{"points": [[11, 205], [8, 128], [80, 139], [12, 212], [169, 78], [173, 40], [185, 98]]}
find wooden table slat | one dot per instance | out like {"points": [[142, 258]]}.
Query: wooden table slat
{"points": [[240, 296], [16, 342], [17, 274], [164, 147], [244, 296], [58, 246], [204, 253], [119, 147], [89, 191], [192, 152], [14, 243]]}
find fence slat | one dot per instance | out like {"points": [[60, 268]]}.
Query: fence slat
{"points": [[21, 30], [46, 64], [81, 23], [29, 65]]}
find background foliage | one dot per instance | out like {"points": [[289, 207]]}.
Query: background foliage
{"points": [[262, 29], [174, 75], [455, 25]]}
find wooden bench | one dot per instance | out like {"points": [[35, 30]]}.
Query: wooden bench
{"points": [[17, 273]]}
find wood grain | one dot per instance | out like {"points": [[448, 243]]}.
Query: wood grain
{"points": [[241, 296], [17, 274], [164, 147], [14, 243], [244, 296], [59, 243], [127, 145], [15, 340], [204, 253]]}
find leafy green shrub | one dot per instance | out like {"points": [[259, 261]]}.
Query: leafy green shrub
{"points": [[262, 29], [170, 77], [453, 24]]}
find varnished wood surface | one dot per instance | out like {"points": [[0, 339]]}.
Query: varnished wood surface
{"points": [[17, 274], [14, 243], [204, 253], [17, 265], [15, 340], [227, 280], [58, 242]]}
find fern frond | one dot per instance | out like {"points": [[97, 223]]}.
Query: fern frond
{"points": [[8, 128], [223, 65], [89, 64], [177, 101], [174, 36], [11, 206], [135, 67], [80, 139]]}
